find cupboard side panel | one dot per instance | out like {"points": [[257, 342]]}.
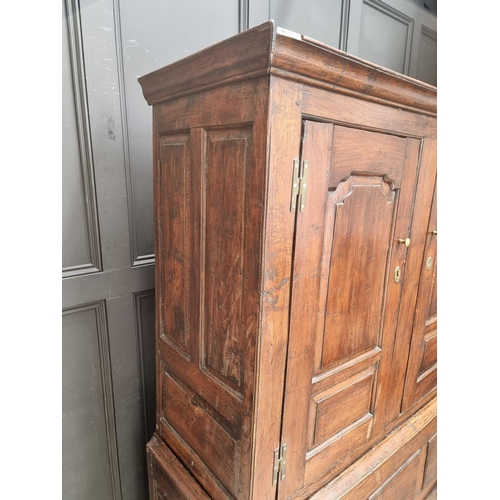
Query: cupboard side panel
{"points": [[210, 212]]}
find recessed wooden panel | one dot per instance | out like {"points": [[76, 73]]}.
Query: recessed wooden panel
{"points": [[189, 416], [385, 471], [431, 462], [357, 150], [430, 353], [364, 211], [227, 162], [341, 405], [335, 449], [174, 219], [402, 484], [433, 303]]}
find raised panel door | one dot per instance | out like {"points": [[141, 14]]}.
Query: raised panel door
{"points": [[345, 297]]}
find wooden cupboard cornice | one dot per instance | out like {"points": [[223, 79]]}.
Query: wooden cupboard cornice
{"points": [[270, 50]]}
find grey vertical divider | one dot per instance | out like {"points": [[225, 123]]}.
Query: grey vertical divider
{"points": [[126, 390]]}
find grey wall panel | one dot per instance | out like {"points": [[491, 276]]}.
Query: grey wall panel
{"points": [[101, 71], [80, 249], [126, 392], [145, 321], [258, 12], [89, 452], [427, 56], [154, 34], [386, 36], [319, 19]]}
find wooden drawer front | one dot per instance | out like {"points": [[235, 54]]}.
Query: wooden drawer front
{"points": [[402, 484], [168, 480]]}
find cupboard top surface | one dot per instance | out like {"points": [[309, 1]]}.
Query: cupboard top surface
{"points": [[267, 49]]}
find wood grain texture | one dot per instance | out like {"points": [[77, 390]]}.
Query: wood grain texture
{"points": [[317, 148], [413, 270], [367, 476], [279, 327], [167, 477], [421, 375], [283, 141], [314, 63], [357, 150], [266, 49], [357, 268], [345, 303], [210, 235], [325, 105], [175, 161], [402, 484], [430, 472], [227, 161], [204, 431], [340, 405]]}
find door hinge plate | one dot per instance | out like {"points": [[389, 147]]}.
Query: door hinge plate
{"points": [[299, 185], [279, 469]]}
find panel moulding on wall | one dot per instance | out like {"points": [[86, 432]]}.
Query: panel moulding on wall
{"points": [[84, 139], [102, 340]]}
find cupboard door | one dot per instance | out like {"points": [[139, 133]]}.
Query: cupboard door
{"points": [[421, 376], [345, 296]]}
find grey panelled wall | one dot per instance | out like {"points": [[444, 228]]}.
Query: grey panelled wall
{"points": [[108, 262], [395, 34]]}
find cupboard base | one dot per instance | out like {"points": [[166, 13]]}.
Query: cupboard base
{"points": [[401, 467]]}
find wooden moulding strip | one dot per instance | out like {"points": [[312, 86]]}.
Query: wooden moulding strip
{"points": [[240, 57], [303, 59], [266, 49]]}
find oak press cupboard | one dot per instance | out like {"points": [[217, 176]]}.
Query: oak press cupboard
{"points": [[295, 215]]}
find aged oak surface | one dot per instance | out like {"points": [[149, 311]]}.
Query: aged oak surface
{"points": [[296, 348]]}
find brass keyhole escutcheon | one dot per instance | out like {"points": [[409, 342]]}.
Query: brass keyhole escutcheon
{"points": [[397, 274], [406, 242], [428, 263]]}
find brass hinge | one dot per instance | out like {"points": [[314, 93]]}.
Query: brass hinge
{"points": [[279, 469], [299, 185]]}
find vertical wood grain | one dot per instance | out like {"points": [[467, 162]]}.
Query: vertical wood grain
{"points": [[227, 171], [421, 372], [175, 209], [418, 233], [283, 143]]}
